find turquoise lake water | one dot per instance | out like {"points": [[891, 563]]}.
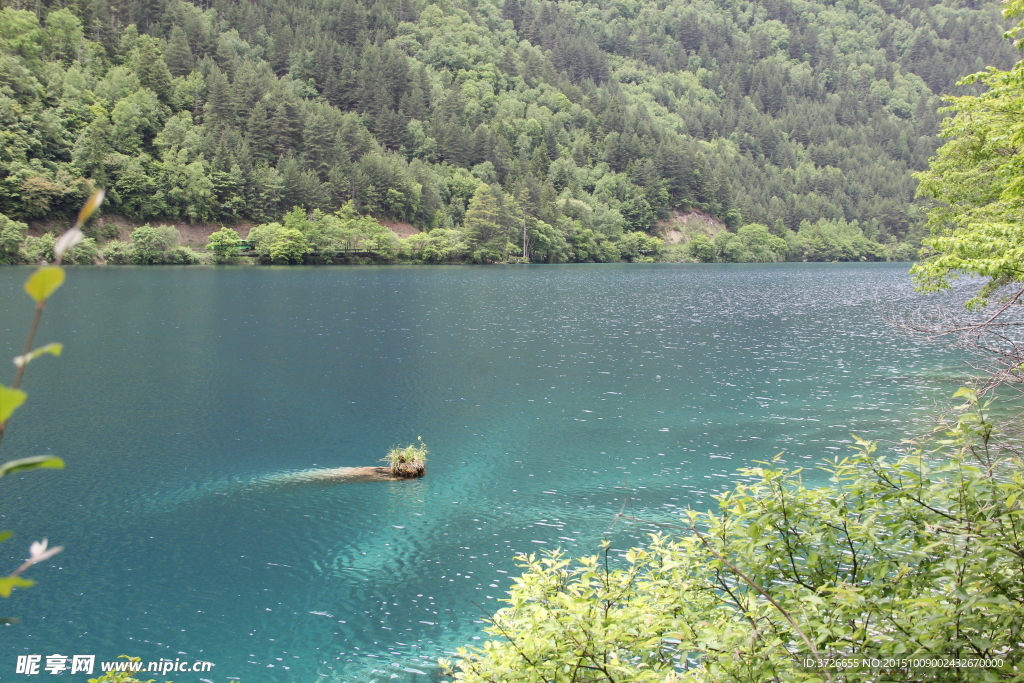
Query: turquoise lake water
{"points": [[550, 397]]}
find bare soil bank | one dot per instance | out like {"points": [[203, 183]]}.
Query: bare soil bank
{"points": [[681, 226]]}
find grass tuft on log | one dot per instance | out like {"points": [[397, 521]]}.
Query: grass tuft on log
{"points": [[408, 462]]}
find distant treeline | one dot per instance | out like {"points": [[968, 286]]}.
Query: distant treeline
{"points": [[303, 237], [586, 121]]}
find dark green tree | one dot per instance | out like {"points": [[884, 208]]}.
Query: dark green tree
{"points": [[178, 54]]}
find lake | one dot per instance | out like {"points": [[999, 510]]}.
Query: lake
{"points": [[551, 398]]}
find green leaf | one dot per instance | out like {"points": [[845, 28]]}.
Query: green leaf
{"points": [[969, 394], [54, 349], [4, 535], [35, 462], [9, 583], [10, 399], [44, 282], [89, 207]]}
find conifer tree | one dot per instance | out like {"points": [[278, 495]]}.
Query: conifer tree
{"points": [[483, 217], [178, 55], [93, 146], [150, 67]]}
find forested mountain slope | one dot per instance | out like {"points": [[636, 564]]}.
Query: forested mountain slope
{"points": [[583, 120]]}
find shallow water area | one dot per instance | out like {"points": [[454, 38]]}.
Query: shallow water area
{"points": [[190, 401]]}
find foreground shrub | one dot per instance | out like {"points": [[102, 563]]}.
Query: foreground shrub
{"points": [[121, 676], [40, 286], [919, 558]]}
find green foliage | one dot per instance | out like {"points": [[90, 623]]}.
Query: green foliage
{"points": [[919, 556], [975, 180], [703, 249], [40, 286], [827, 240], [9, 583], [84, 253], [289, 246], [151, 245], [12, 234], [10, 400], [226, 245], [483, 220], [639, 247], [407, 462], [322, 238], [592, 116], [437, 246], [37, 249], [117, 253], [990, 250], [751, 243], [44, 282], [148, 245], [35, 462], [157, 245], [262, 236], [824, 240], [181, 255], [53, 349]]}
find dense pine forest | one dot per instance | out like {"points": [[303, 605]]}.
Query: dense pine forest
{"points": [[587, 126]]}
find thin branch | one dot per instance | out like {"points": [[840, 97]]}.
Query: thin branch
{"points": [[28, 349]]}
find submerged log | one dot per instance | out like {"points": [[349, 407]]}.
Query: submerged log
{"points": [[349, 474], [407, 470]]}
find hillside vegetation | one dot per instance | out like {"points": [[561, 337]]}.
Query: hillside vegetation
{"points": [[582, 123]]}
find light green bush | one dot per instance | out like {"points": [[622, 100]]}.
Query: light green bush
{"points": [[152, 245], [37, 249], [289, 247], [262, 236], [120, 676], [226, 245], [117, 253], [702, 249], [440, 245], [12, 234], [180, 255], [635, 246], [85, 253], [916, 557], [837, 240]]}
